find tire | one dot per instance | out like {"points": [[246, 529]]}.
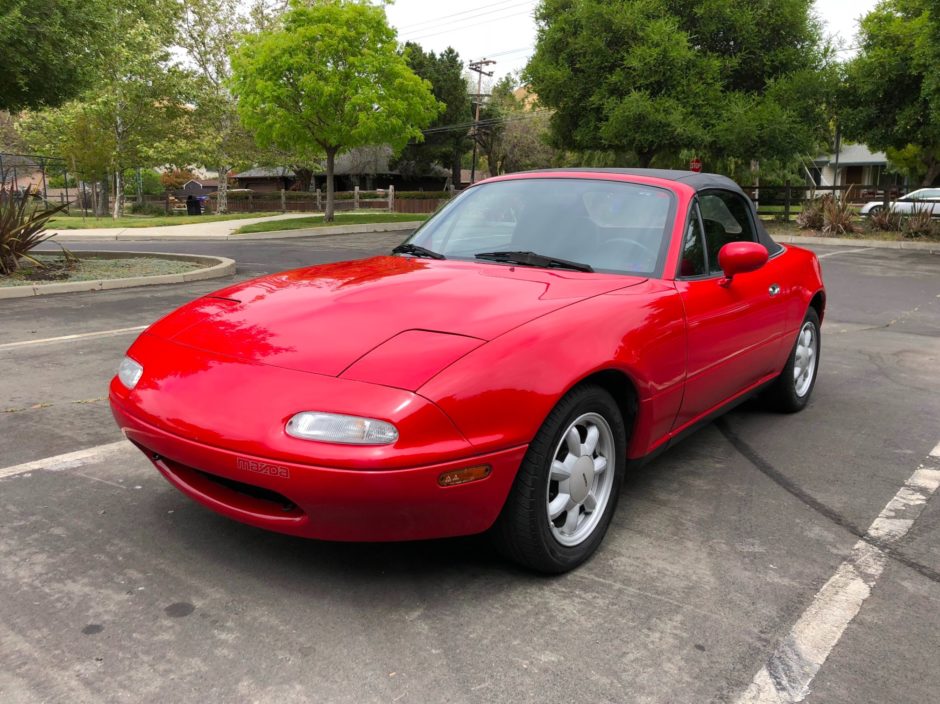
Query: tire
{"points": [[525, 530], [874, 211], [791, 391]]}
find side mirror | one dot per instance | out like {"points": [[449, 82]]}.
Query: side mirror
{"points": [[740, 258]]}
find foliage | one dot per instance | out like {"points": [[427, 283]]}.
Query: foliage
{"points": [[136, 112], [663, 80], [216, 139], [176, 178], [886, 220], [920, 223], [50, 50], [838, 214], [22, 229], [891, 95], [329, 80], [444, 72], [148, 209], [810, 216]]}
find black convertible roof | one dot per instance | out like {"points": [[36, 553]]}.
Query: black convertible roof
{"points": [[698, 181]]}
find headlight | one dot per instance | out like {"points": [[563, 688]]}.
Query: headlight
{"points": [[129, 372], [348, 430]]}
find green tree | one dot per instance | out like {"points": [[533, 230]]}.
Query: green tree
{"points": [[663, 79], [329, 79], [216, 140], [50, 49], [135, 115], [891, 95], [444, 72]]}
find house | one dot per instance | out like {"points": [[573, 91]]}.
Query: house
{"points": [[265, 179], [858, 166], [366, 167], [201, 187]]}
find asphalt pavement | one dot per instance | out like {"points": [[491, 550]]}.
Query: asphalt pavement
{"points": [[726, 558]]}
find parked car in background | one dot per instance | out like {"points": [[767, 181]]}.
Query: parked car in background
{"points": [[915, 201], [501, 370]]}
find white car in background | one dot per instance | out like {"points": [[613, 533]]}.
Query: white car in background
{"points": [[915, 201]]}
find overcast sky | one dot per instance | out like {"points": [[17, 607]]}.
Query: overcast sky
{"points": [[503, 30]]}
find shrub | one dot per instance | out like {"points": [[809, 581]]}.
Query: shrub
{"points": [[886, 220], [22, 229], [810, 216], [920, 223], [148, 209], [838, 215]]}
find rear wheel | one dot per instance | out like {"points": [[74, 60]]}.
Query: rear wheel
{"points": [[874, 210], [792, 389], [567, 487]]}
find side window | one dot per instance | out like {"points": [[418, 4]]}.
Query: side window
{"points": [[726, 218], [693, 262]]}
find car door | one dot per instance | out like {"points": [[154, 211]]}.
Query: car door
{"points": [[734, 337]]}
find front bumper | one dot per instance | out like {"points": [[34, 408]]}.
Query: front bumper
{"points": [[323, 502]]}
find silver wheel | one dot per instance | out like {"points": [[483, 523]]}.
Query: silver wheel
{"points": [[804, 359], [581, 479]]}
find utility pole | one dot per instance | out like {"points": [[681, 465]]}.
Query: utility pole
{"points": [[478, 67]]}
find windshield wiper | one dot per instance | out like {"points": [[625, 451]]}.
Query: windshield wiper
{"points": [[533, 259], [417, 250]]}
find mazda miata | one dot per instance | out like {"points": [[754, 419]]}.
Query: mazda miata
{"points": [[500, 371]]}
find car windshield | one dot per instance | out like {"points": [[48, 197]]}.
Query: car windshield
{"points": [[610, 226]]}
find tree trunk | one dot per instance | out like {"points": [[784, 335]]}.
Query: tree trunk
{"points": [[646, 158], [104, 191], [455, 168], [933, 170], [118, 193], [221, 203], [330, 163]]}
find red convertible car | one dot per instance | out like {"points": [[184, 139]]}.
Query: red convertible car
{"points": [[501, 371]]}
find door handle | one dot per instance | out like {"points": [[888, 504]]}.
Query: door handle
{"points": [[773, 290]]}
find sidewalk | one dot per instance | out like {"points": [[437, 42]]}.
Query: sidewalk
{"points": [[219, 229]]}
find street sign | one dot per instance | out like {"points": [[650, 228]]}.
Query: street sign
{"points": [[695, 165]]}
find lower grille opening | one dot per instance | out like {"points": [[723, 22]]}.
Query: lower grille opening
{"points": [[255, 492]]}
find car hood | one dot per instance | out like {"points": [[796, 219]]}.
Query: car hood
{"points": [[323, 319]]}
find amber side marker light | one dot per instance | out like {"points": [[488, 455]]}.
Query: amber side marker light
{"points": [[465, 475]]}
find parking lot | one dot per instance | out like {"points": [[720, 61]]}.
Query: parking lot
{"points": [[115, 587]]}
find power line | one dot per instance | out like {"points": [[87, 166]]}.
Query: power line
{"points": [[447, 19], [466, 26]]}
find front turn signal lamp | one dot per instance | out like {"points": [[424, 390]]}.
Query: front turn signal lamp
{"points": [[346, 430], [464, 475], [130, 372]]}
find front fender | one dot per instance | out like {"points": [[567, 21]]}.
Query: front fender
{"points": [[499, 394]]}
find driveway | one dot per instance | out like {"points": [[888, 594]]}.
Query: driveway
{"points": [[725, 560]]}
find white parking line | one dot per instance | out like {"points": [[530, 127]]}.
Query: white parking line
{"points": [[793, 665], [844, 251], [69, 338], [70, 460]]}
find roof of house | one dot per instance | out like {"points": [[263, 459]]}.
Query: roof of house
{"points": [[853, 155], [266, 172]]}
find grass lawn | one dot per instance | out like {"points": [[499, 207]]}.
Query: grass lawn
{"points": [[92, 269], [317, 221], [75, 222]]}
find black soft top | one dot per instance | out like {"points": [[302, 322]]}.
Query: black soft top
{"points": [[698, 181]]}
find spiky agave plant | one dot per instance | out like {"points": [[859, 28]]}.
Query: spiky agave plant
{"points": [[838, 215], [22, 229]]}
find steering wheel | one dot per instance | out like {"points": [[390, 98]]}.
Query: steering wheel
{"points": [[648, 255]]}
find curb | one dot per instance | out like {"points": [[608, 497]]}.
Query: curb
{"points": [[217, 267], [126, 236], [929, 247]]}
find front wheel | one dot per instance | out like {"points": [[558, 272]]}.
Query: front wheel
{"points": [[874, 211], [791, 391], [567, 487]]}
